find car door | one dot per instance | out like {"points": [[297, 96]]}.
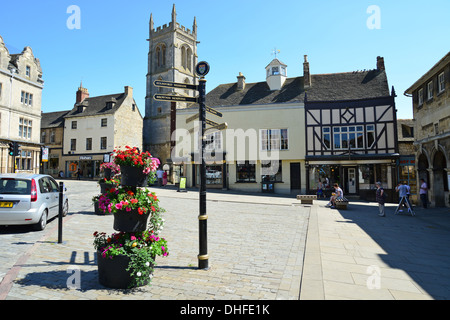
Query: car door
{"points": [[54, 194], [48, 196]]}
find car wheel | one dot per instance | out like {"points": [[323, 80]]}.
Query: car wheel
{"points": [[66, 208], [42, 222]]}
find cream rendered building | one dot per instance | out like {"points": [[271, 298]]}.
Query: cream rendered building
{"points": [[21, 87], [262, 148]]}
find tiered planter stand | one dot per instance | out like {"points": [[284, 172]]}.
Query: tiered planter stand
{"points": [[112, 273]]}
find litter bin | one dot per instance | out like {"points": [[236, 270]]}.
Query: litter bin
{"points": [[268, 187]]}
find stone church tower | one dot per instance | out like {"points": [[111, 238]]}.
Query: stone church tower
{"points": [[172, 57]]}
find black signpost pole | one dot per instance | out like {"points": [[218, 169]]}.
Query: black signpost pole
{"points": [[203, 217], [201, 69]]}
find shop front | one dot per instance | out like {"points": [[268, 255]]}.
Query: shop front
{"points": [[87, 166], [355, 178], [216, 170]]}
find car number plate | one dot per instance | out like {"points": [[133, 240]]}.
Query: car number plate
{"points": [[6, 204]]}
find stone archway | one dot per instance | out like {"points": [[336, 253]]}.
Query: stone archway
{"points": [[422, 167], [440, 181]]}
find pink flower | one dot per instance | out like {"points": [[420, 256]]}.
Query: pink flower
{"points": [[119, 206], [132, 238], [128, 209]]}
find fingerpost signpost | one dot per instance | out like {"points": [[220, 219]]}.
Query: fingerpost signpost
{"points": [[201, 69]]}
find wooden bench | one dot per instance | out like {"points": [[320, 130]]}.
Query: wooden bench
{"points": [[306, 198], [341, 203]]}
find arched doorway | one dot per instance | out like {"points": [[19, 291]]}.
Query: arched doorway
{"points": [[440, 181], [422, 166]]}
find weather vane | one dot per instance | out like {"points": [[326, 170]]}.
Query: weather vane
{"points": [[275, 52]]}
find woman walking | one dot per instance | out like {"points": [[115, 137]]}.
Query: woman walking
{"points": [[380, 198]]}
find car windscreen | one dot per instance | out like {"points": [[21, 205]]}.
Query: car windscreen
{"points": [[15, 186]]}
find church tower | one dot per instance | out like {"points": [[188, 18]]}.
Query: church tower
{"points": [[172, 56]]}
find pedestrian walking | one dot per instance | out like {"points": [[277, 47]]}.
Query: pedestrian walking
{"points": [[403, 194], [380, 198], [423, 193], [164, 178], [159, 175], [320, 190]]}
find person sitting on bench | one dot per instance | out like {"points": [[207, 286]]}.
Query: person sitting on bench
{"points": [[338, 194]]}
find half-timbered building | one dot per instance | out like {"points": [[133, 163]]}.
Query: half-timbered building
{"points": [[352, 140]]}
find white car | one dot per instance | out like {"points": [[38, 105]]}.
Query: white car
{"points": [[30, 199]]}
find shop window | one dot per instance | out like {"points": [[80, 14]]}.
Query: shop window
{"points": [[245, 172], [214, 174], [271, 171]]}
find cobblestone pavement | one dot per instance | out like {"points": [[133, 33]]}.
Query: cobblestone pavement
{"points": [[255, 247], [261, 247]]}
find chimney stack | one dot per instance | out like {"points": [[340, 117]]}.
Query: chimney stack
{"points": [[380, 63], [129, 91], [306, 74], [82, 94], [240, 82]]}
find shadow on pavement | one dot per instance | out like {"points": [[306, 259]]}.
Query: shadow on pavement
{"points": [[418, 245]]}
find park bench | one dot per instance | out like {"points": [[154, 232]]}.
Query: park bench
{"points": [[306, 198], [341, 203]]}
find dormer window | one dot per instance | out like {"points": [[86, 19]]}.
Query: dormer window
{"points": [[110, 103]]}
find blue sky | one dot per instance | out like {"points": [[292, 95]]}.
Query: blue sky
{"points": [[109, 51]]}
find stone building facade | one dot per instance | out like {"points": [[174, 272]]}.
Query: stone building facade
{"points": [[431, 109], [94, 127], [172, 57], [21, 87]]}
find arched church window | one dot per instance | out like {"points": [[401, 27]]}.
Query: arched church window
{"points": [[163, 49], [183, 57], [189, 59], [158, 56]]}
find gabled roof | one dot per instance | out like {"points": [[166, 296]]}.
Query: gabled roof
{"points": [[97, 105], [53, 119], [324, 87]]}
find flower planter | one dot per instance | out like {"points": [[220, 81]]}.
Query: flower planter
{"points": [[130, 221], [112, 273], [108, 173], [98, 211], [104, 187], [133, 176]]}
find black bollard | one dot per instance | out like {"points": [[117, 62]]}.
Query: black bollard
{"points": [[60, 213]]}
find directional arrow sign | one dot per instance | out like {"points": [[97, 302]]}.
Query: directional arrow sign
{"points": [[176, 85], [164, 97], [192, 118], [211, 123], [214, 112], [218, 127]]}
